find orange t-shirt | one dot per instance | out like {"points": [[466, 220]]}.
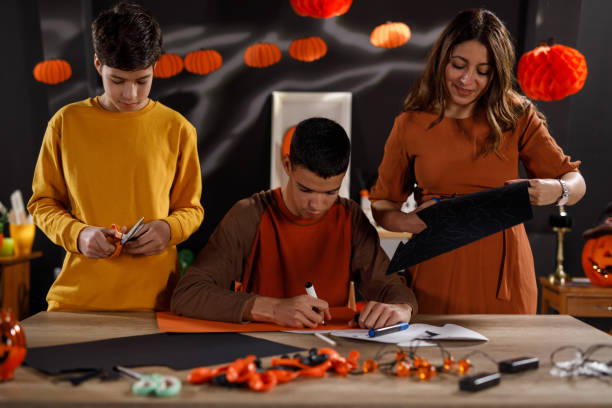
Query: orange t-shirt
{"points": [[288, 252]]}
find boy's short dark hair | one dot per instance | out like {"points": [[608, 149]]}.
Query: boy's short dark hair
{"points": [[126, 37], [321, 146]]}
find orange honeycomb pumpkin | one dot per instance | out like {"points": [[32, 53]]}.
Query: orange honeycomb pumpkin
{"points": [[550, 73], [203, 62], [52, 72], [597, 260], [321, 8], [308, 49], [262, 55], [168, 66], [390, 35]]}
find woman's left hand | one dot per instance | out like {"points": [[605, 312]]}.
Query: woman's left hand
{"points": [[542, 191]]}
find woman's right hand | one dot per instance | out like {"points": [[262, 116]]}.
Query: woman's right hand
{"points": [[392, 218], [418, 223], [93, 244]]}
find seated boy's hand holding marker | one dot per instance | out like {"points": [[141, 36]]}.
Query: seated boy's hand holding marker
{"points": [[299, 311]]}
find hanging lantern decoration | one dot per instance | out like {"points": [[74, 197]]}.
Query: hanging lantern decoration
{"points": [[390, 35], [168, 66], [321, 8], [203, 62], [52, 71], [550, 73], [12, 345], [262, 55], [597, 260], [286, 147], [308, 49]]}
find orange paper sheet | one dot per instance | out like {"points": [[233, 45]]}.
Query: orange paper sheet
{"points": [[169, 322]]}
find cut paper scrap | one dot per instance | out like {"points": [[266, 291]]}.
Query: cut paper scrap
{"points": [[417, 331], [172, 323]]}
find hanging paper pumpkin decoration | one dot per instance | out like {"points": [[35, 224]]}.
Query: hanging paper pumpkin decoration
{"points": [[12, 345], [52, 71], [550, 73], [597, 260], [390, 35], [286, 147], [203, 62], [321, 8], [308, 49], [168, 66], [262, 55]]}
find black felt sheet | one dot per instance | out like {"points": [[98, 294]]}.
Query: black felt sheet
{"points": [[178, 351], [455, 222]]}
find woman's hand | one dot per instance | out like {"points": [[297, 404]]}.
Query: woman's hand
{"points": [[152, 239], [391, 218], [542, 191], [548, 191]]}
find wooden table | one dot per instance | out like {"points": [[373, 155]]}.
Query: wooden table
{"points": [[509, 336], [15, 283], [577, 299]]}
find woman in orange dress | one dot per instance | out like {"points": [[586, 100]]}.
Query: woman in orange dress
{"points": [[464, 129]]}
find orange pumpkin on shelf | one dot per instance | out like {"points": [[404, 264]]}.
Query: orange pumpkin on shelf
{"points": [[308, 49], [262, 55], [168, 66], [390, 35], [12, 346], [321, 8], [203, 62], [52, 72], [597, 260], [550, 73]]}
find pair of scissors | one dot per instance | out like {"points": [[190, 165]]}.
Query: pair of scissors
{"points": [[120, 239], [152, 384]]}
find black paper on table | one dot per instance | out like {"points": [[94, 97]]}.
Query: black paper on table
{"points": [[179, 351], [459, 221]]}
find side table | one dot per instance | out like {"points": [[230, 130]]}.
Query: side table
{"points": [[15, 283], [576, 298]]}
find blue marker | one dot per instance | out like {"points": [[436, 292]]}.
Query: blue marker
{"points": [[388, 329]]}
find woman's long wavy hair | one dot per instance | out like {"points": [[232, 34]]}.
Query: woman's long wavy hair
{"points": [[501, 104]]}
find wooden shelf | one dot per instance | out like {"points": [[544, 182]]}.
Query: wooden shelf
{"points": [[576, 299], [11, 260]]}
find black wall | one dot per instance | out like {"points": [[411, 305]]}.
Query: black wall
{"points": [[231, 107]]}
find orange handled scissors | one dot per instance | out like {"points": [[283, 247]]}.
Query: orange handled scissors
{"points": [[120, 239]]}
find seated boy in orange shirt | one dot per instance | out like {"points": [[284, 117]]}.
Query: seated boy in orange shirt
{"points": [[275, 241]]}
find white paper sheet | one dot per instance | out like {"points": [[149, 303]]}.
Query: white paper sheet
{"points": [[416, 331]]}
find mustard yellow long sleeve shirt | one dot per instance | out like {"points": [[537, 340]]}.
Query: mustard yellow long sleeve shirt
{"points": [[98, 168]]}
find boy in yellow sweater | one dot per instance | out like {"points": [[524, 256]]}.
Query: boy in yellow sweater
{"points": [[113, 159]]}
